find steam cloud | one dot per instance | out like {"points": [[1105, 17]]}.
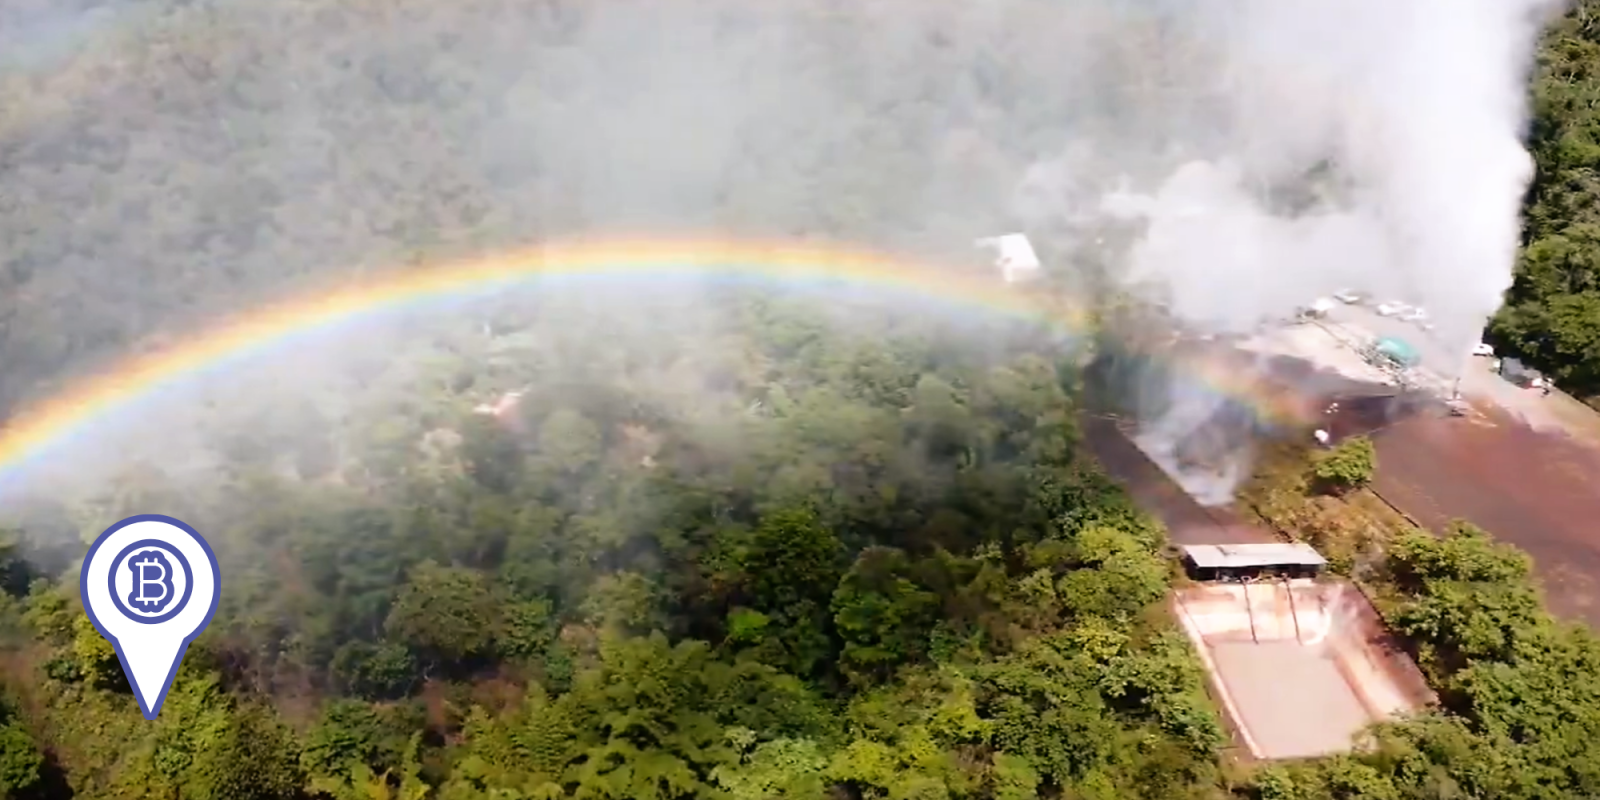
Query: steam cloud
{"points": [[160, 162], [1416, 113], [1356, 145]]}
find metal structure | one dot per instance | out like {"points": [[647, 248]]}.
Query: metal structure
{"points": [[1250, 613], [1212, 562], [1294, 613]]}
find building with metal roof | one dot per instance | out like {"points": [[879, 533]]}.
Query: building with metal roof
{"points": [[1209, 562]]}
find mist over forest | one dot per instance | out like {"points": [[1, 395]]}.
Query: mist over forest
{"points": [[166, 163], [722, 538]]}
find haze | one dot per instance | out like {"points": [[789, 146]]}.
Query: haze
{"points": [[162, 163]]}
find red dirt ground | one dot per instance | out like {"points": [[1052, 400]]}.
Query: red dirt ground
{"points": [[1538, 491]]}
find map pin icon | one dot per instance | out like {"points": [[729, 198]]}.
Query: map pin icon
{"points": [[150, 585]]}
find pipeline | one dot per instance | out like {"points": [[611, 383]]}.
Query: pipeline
{"points": [[1250, 611], [1294, 613]]}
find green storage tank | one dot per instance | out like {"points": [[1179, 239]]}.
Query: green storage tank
{"points": [[1398, 351]]}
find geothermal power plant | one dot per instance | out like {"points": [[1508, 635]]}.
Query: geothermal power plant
{"points": [[1298, 659]]}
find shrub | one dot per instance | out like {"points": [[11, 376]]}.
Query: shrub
{"points": [[1347, 467]]}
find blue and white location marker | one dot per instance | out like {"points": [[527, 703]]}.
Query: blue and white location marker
{"points": [[150, 585]]}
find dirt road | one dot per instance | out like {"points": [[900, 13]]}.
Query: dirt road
{"points": [[1537, 490]]}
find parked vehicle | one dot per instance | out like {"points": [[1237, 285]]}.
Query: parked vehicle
{"points": [[1349, 297], [1521, 374], [1391, 308], [1481, 349], [1318, 309], [1414, 314]]}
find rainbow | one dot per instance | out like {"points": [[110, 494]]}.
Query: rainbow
{"points": [[40, 427]]}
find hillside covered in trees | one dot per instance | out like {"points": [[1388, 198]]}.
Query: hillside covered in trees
{"points": [[849, 559], [861, 557], [795, 552], [1552, 313]]}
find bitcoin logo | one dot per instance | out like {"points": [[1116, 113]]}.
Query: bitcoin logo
{"points": [[150, 585], [150, 581]]}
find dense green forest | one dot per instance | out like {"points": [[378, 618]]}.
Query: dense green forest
{"points": [[794, 552], [857, 560], [1552, 313], [881, 566]]}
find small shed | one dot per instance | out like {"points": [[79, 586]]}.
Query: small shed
{"points": [[1399, 351], [1221, 562]]}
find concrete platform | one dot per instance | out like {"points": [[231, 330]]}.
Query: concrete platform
{"points": [[1301, 667]]}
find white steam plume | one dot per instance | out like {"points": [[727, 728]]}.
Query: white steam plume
{"points": [[1417, 109], [1398, 128]]}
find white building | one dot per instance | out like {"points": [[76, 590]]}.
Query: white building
{"points": [[1014, 256]]}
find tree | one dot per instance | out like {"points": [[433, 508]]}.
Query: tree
{"points": [[882, 614], [378, 671], [623, 602], [1551, 316], [361, 783], [526, 629], [651, 731], [1468, 598], [493, 456], [20, 760], [1103, 572], [251, 757], [568, 442], [347, 734], [790, 768], [447, 612], [1347, 467], [788, 571]]}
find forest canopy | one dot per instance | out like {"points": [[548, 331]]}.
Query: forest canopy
{"points": [[878, 563], [784, 547], [1552, 312], [851, 556]]}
